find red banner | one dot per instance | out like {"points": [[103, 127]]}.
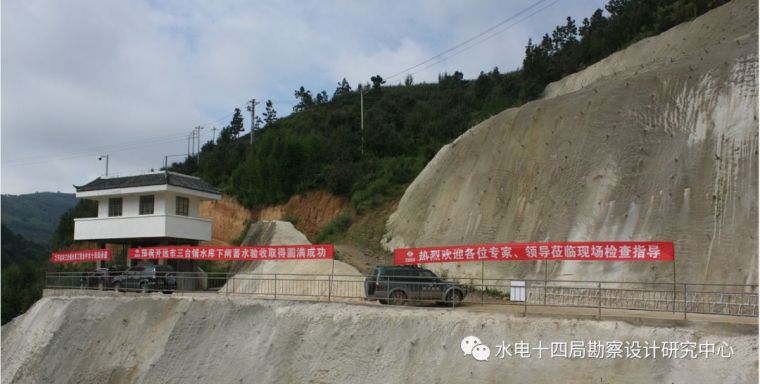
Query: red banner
{"points": [[81, 256], [558, 251], [275, 252]]}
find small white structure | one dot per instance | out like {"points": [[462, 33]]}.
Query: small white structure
{"points": [[160, 207], [517, 290]]}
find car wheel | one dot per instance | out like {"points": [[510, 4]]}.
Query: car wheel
{"points": [[117, 287], [398, 298], [454, 298], [144, 287]]}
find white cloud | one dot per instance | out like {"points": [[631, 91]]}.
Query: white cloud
{"points": [[132, 78]]}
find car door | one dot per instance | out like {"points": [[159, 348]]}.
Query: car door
{"points": [[413, 283], [133, 277], [431, 289]]}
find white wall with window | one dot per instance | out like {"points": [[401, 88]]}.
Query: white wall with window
{"points": [[133, 216]]}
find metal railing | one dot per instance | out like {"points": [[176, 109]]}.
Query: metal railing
{"points": [[717, 299]]}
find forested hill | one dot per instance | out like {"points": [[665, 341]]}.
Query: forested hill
{"points": [[23, 273], [35, 215], [321, 146]]}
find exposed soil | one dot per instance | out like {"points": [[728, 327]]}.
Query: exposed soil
{"points": [[310, 212]]}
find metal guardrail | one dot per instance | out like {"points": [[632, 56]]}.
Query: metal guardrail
{"points": [[717, 299]]}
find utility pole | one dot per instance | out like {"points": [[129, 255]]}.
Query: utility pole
{"points": [[101, 158], [361, 103], [166, 161], [252, 108], [188, 145], [213, 138], [198, 135]]}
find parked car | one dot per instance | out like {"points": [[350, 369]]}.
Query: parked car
{"points": [[146, 278], [100, 277], [399, 284]]}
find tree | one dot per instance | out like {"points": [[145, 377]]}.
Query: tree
{"points": [[270, 115], [451, 81], [564, 36], [408, 80], [236, 124], [64, 233], [322, 98], [304, 98], [377, 81], [589, 26], [343, 88]]}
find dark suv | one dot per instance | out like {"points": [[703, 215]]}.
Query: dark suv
{"points": [[145, 278], [100, 277], [398, 284]]}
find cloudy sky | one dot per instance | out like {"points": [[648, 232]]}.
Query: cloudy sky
{"points": [[81, 78]]}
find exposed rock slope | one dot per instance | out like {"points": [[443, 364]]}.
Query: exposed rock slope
{"points": [[162, 339], [658, 141]]}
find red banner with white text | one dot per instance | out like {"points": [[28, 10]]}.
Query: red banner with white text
{"points": [[556, 251], [274, 252], [81, 256]]}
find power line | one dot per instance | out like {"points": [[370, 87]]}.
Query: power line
{"points": [[118, 147], [475, 37], [101, 148], [111, 150], [442, 59]]}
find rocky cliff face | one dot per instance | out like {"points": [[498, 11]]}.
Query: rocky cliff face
{"points": [[658, 141]]}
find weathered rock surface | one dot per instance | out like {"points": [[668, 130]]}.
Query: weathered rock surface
{"points": [[656, 142]]}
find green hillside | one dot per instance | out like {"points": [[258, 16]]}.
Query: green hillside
{"points": [[321, 145], [35, 215], [23, 273]]}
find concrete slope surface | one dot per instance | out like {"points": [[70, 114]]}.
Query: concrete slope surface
{"points": [[656, 142], [257, 277], [160, 339]]}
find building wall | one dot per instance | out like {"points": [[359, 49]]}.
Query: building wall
{"points": [[145, 226], [163, 203], [164, 222]]}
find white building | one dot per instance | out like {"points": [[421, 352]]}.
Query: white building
{"points": [[158, 208]]}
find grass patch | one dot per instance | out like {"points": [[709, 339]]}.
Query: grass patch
{"points": [[335, 229], [290, 218]]}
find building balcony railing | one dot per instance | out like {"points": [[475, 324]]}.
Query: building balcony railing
{"points": [[126, 227]]}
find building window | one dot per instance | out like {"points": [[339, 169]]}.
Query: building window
{"points": [[183, 206], [114, 206], [146, 205]]}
